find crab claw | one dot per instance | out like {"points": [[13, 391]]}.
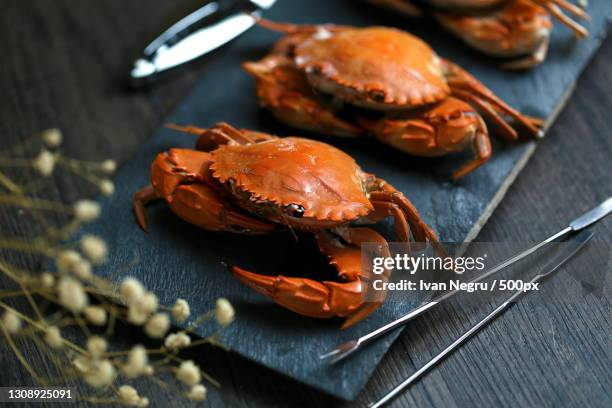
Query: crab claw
{"points": [[352, 298], [180, 176]]}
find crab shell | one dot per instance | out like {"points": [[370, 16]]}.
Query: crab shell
{"points": [[376, 68], [271, 178]]}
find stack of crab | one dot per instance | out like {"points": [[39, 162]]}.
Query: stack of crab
{"points": [[349, 81]]}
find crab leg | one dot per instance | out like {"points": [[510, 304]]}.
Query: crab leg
{"points": [[530, 61], [508, 131], [556, 11], [284, 90], [180, 176], [482, 150], [220, 134], [461, 81], [420, 231], [352, 298]]}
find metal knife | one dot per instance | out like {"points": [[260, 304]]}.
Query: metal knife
{"points": [[202, 31]]}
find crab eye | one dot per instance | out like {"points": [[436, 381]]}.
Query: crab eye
{"points": [[295, 210]]}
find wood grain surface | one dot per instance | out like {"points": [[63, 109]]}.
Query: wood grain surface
{"points": [[54, 72]]}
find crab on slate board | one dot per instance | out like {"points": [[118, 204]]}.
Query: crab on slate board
{"points": [[177, 259]]}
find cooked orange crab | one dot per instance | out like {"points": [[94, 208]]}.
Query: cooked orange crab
{"points": [[518, 30], [249, 182], [404, 93]]}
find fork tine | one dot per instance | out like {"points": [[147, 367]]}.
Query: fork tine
{"points": [[340, 352]]}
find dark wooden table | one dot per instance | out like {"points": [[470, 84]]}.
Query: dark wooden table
{"points": [[61, 65]]}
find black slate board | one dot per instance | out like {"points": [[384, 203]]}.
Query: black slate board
{"points": [[176, 259]]}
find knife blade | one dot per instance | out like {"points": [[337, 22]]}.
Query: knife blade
{"points": [[206, 29]]}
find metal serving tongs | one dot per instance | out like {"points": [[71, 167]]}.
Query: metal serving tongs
{"points": [[575, 244], [344, 350], [209, 27]]}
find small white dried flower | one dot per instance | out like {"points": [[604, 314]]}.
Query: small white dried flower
{"points": [[131, 290], [95, 315], [181, 310], [158, 325], [136, 363], [107, 187], [100, 374], [149, 370], [94, 248], [44, 163], [52, 137], [66, 260], [109, 166], [188, 373], [147, 303], [72, 295], [11, 322], [71, 261], [82, 269], [224, 312], [47, 280], [129, 396], [53, 337], [197, 393], [96, 346], [176, 341], [135, 316], [83, 364], [86, 210]]}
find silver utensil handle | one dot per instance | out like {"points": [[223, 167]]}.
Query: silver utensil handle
{"points": [[592, 216]]}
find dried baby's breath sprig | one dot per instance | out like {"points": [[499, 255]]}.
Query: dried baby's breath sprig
{"points": [[128, 395], [100, 373], [44, 163], [197, 393], [147, 303], [47, 280], [136, 316], [181, 310], [96, 346], [188, 373], [53, 337], [137, 362], [52, 137], [72, 295], [94, 248], [158, 325], [86, 210], [176, 341], [107, 187], [95, 315], [131, 290], [70, 261], [224, 312], [73, 334], [11, 322], [108, 166]]}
